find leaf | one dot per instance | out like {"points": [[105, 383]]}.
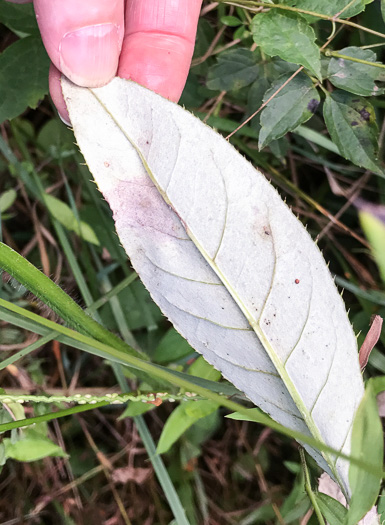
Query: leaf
{"points": [[231, 21], [25, 66], [293, 105], [236, 68], [329, 7], [254, 413], [63, 213], [355, 77], [182, 418], [352, 126], [32, 449], [372, 219], [224, 258], [367, 442], [383, 9], [7, 199], [172, 347], [201, 368], [333, 510], [333, 504], [255, 99], [19, 18], [288, 36]]}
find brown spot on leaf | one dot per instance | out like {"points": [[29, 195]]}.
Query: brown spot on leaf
{"points": [[313, 105], [364, 114], [354, 123]]}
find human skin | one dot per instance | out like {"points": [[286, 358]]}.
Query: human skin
{"points": [[91, 41]]}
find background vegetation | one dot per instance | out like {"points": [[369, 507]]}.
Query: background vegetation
{"points": [[311, 74]]}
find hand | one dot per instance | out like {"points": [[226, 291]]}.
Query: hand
{"points": [[91, 41]]}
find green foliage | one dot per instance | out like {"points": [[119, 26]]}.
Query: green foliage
{"points": [[7, 199], [231, 21], [181, 419], [373, 224], [172, 347], [288, 36], [29, 444], [201, 368], [356, 77], [24, 64], [63, 213], [31, 448], [351, 123], [334, 512], [236, 68], [329, 7], [367, 442], [249, 77], [293, 105], [19, 18]]}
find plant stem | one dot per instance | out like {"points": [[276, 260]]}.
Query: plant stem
{"points": [[308, 488], [335, 54]]}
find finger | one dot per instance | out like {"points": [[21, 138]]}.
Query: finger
{"points": [[83, 38], [56, 93], [159, 43]]}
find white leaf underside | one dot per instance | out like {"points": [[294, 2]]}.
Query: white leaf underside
{"points": [[225, 259]]}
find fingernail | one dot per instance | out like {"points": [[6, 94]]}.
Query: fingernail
{"points": [[65, 121], [89, 56]]}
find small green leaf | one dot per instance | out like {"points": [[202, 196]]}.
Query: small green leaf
{"points": [[7, 199], [241, 33], [383, 9], [329, 7], [19, 18], [201, 368], [32, 449], [351, 123], [182, 418], [63, 213], [172, 347], [367, 443], [293, 105], [372, 219], [332, 509], [288, 36], [255, 413], [236, 68], [355, 77], [23, 65], [231, 21]]}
